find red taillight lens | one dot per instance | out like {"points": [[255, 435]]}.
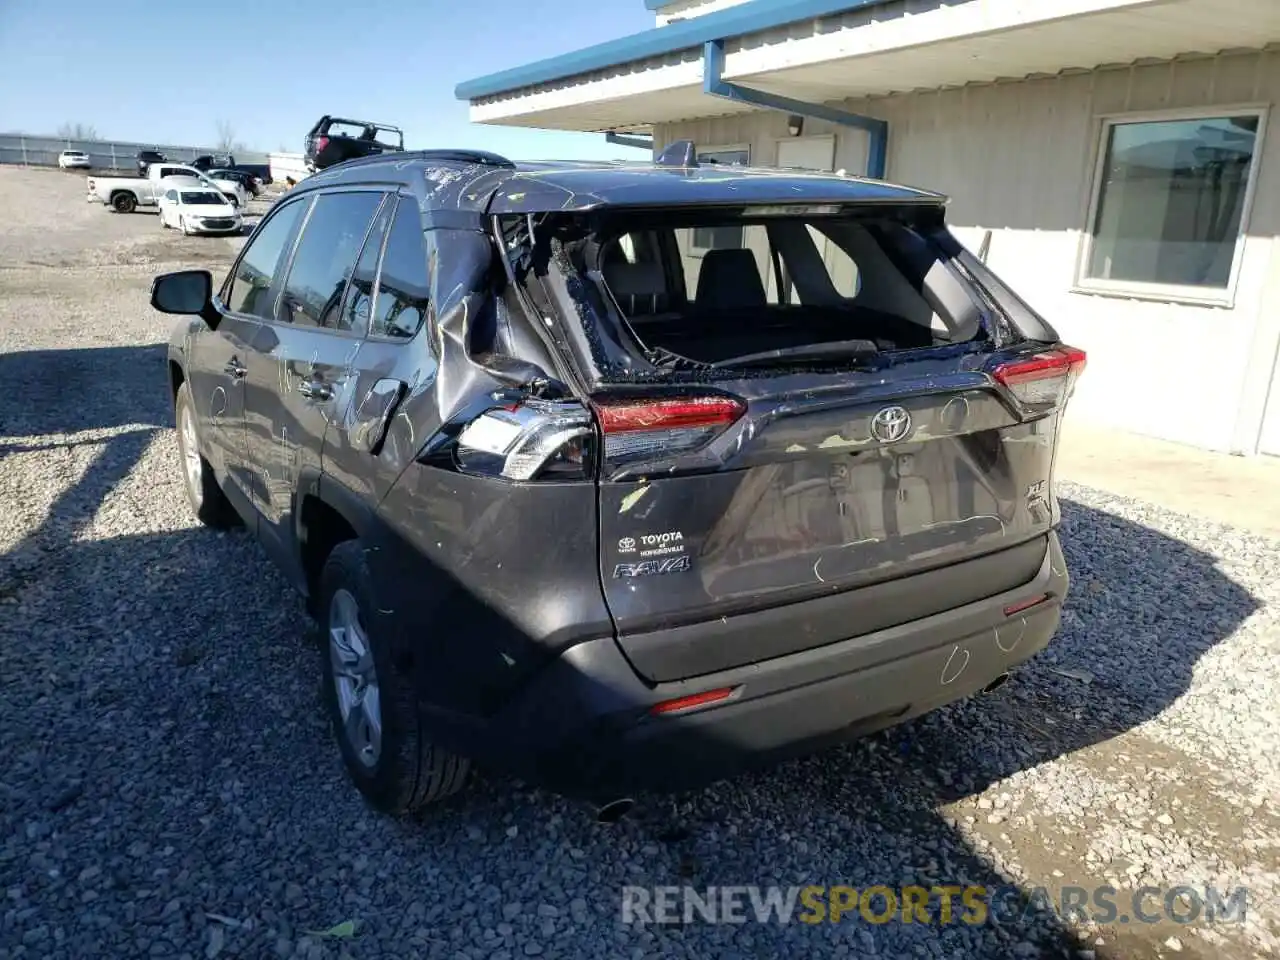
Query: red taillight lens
{"points": [[1044, 379], [322, 142], [642, 428], [627, 416], [693, 701]]}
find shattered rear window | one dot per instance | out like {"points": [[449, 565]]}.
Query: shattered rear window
{"points": [[658, 293]]}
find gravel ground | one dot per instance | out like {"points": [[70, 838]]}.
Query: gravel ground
{"points": [[168, 787]]}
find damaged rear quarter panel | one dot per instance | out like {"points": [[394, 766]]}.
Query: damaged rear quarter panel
{"points": [[481, 580]]}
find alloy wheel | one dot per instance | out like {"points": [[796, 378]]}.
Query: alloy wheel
{"points": [[355, 678], [191, 463]]}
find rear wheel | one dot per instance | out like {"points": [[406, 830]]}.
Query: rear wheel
{"points": [[124, 203], [208, 502], [375, 715]]}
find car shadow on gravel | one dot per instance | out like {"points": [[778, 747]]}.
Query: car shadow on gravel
{"points": [[163, 724], [68, 391]]}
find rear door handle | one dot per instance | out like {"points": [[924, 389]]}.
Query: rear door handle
{"points": [[315, 389], [235, 368]]}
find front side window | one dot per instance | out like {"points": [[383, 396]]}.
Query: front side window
{"points": [[325, 258], [1170, 203], [404, 290], [251, 284]]}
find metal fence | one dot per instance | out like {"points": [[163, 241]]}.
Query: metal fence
{"points": [[22, 150]]}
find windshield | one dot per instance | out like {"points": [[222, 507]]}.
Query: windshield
{"points": [[202, 196]]}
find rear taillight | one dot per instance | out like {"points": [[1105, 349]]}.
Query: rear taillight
{"points": [[646, 428], [321, 143], [1043, 379], [534, 439]]}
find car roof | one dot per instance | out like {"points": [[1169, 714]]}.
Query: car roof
{"points": [[483, 183], [561, 186]]}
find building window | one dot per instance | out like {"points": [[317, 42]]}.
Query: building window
{"points": [[717, 238], [1169, 205]]}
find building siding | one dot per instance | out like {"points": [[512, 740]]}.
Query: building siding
{"points": [[1018, 159], [684, 9]]}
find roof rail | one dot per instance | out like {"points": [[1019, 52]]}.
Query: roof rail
{"points": [[481, 157], [681, 153]]}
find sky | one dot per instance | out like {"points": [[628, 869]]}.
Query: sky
{"points": [[166, 73]]}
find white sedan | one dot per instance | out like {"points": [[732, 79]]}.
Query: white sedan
{"points": [[198, 209], [74, 160]]}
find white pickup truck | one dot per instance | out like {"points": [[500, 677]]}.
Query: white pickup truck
{"points": [[126, 194]]}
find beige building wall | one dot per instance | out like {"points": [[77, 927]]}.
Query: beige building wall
{"points": [[1019, 158]]}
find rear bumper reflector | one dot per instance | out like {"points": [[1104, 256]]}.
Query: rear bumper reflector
{"points": [[693, 701], [1022, 605]]}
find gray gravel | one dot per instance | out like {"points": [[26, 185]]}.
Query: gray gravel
{"points": [[168, 787]]}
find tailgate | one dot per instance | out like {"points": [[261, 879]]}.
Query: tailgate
{"points": [[897, 499]]}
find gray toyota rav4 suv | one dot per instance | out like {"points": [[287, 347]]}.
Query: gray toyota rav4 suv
{"points": [[619, 477]]}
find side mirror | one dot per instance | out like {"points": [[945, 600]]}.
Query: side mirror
{"points": [[186, 292]]}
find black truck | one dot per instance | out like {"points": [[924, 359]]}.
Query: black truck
{"points": [[334, 139]]}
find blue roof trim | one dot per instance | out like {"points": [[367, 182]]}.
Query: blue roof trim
{"points": [[750, 17], [659, 4]]}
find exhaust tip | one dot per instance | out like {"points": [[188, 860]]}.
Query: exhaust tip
{"points": [[996, 684], [614, 810]]}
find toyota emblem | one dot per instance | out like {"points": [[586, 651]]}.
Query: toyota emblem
{"points": [[891, 424]]}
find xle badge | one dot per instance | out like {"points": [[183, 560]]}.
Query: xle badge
{"points": [[647, 568]]}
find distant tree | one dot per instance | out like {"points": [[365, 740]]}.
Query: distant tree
{"points": [[227, 142], [77, 131]]}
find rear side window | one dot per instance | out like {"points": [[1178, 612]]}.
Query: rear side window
{"points": [[360, 290], [344, 128], [262, 259], [404, 287], [325, 259]]}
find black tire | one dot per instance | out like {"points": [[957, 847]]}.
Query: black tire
{"points": [[124, 202], [209, 504], [408, 772]]}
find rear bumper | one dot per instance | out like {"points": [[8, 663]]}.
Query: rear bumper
{"points": [[583, 727]]}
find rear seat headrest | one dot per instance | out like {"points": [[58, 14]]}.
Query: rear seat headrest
{"points": [[638, 287]]}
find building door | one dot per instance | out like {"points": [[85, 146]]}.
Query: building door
{"points": [[1269, 442], [808, 153]]}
